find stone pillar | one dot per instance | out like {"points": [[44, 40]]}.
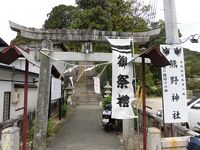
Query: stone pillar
{"points": [[10, 138], [41, 118], [128, 134], [153, 139]]}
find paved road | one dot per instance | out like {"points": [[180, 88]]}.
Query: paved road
{"points": [[84, 131]]}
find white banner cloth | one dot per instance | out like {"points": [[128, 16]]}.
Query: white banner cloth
{"points": [[97, 85], [174, 85], [122, 78]]}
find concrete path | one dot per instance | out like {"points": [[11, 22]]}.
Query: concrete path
{"points": [[84, 131]]}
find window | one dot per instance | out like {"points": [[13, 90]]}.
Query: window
{"points": [[6, 106]]}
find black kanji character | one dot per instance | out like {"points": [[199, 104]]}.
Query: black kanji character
{"points": [[164, 74], [123, 100], [175, 97], [173, 64], [122, 61], [176, 115], [174, 79], [122, 81]]}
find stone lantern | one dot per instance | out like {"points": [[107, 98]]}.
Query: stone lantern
{"points": [[107, 88], [69, 90]]}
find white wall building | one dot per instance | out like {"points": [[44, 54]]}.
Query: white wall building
{"points": [[12, 87], [12, 92]]}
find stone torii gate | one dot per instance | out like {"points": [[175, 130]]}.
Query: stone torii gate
{"points": [[65, 35]]}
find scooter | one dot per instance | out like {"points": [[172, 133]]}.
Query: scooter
{"points": [[107, 121]]}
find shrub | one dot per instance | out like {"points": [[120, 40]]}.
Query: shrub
{"points": [[106, 100], [31, 131], [50, 127], [64, 110]]}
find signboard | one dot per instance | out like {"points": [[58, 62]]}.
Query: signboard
{"points": [[55, 89], [122, 78], [97, 85], [174, 85]]}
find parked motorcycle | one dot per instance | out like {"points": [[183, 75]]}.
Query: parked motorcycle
{"points": [[108, 122]]}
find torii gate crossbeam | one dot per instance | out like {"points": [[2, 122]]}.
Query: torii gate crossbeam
{"points": [[65, 35]]}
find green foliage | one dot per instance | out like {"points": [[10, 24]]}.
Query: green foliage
{"points": [[94, 18], [116, 15], [106, 100], [64, 110], [23, 41], [50, 127], [192, 64], [193, 84], [72, 46], [89, 4], [157, 40], [61, 16], [31, 131]]}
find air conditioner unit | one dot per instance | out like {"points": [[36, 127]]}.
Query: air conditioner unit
{"points": [[15, 97]]}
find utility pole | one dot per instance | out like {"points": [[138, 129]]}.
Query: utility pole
{"points": [[171, 29], [41, 118]]}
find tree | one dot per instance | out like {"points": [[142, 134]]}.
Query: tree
{"points": [[94, 18], [115, 15], [61, 16], [89, 4]]}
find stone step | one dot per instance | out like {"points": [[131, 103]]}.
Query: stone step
{"points": [[84, 87], [84, 97], [89, 103]]}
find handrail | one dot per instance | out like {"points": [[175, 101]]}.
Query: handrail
{"points": [[180, 130]]}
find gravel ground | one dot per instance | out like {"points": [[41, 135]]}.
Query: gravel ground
{"points": [[84, 131]]}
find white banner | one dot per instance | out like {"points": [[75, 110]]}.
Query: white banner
{"points": [[97, 85], [174, 85], [122, 78]]}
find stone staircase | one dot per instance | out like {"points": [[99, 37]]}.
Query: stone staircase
{"points": [[84, 88]]}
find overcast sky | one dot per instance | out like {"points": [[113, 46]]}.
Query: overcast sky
{"points": [[33, 13]]}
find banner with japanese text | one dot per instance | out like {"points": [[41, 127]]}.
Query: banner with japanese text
{"points": [[174, 85], [97, 85], [122, 78]]}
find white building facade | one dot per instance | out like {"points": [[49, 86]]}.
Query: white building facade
{"points": [[12, 92]]}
